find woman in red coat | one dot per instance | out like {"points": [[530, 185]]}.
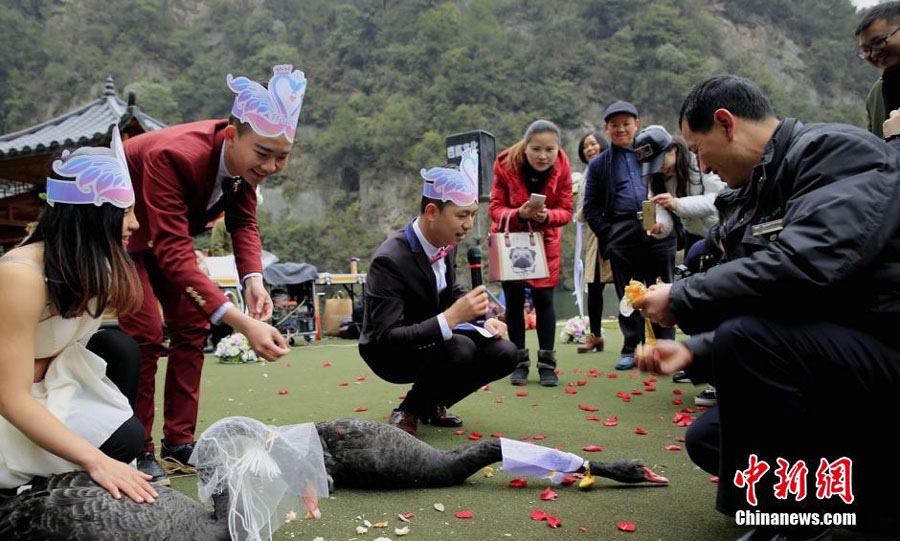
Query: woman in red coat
{"points": [[536, 164]]}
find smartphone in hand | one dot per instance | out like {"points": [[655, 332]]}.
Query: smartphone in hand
{"points": [[648, 213], [536, 201]]}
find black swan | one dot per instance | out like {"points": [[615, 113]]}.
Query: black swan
{"points": [[357, 453]]}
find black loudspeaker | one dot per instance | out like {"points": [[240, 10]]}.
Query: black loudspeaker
{"points": [[484, 144]]}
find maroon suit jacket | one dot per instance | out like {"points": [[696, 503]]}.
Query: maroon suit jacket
{"points": [[173, 171]]}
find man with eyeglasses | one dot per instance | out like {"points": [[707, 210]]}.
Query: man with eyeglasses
{"points": [[878, 33]]}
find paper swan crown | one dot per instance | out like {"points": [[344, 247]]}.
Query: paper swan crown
{"points": [[101, 176], [274, 110], [458, 186]]}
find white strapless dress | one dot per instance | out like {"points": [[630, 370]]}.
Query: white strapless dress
{"points": [[75, 389]]}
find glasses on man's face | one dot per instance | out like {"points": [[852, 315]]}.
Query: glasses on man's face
{"points": [[875, 46]]}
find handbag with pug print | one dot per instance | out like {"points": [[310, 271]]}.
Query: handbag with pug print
{"points": [[516, 256]]}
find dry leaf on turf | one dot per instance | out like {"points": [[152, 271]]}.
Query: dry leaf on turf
{"points": [[439, 507]]}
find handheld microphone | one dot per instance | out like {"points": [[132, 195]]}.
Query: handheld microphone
{"points": [[475, 266]]}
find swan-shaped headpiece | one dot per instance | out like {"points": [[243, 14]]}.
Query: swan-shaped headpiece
{"points": [[271, 111], [458, 186], [101, 176]]}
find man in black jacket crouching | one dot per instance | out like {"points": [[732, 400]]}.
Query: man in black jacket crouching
{"points": [[801, 320]]}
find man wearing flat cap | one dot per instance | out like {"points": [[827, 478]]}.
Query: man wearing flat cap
{"points": [[614, 192]]}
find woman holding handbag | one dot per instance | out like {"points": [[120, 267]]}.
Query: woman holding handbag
{"points": [[535, 165]]}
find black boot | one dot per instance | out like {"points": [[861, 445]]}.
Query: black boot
{"points": [[546, 365], [519, 376]]}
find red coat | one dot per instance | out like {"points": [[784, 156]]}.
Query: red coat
{"points": [[509, 193], [173, 171]]}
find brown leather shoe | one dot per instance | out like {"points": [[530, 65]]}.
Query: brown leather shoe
{"points": [[591, 342], [405, 421], [441, 417]]}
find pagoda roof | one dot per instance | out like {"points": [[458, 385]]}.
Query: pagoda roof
{"points": [[85, 126]]}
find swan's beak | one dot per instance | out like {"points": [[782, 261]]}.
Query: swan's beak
{"points": [[652, 477]]}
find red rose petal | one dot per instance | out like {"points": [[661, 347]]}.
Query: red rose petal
{"points": [[459, 432], [592, 448], [582, 382], [611, 421], [677, 402], [402, 397], [283, 391], [326, 364], [464, 514], [287, 365], [687, 410], [554, 522], [714, 479], [485, 388], [650, 388], [640, 431], [592, 418], [360, 378], [498, 400], [626, 526], [612, 376], [649, 382], [539, 515], [475, 436], [571, 390], [521, 393], [343, 384], [680, 438], [676, 391], [582, 529], [538, 437], [519, 482], [408, 516], [637, 392], [673, 448], [622, 394], [549, 494], [360, 408], [526, 437], [568, 480], [626, 398], [496, 434], [585, 407]]}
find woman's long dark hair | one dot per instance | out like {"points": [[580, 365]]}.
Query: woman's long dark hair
{"points": [[682, 170], [84, 259]]}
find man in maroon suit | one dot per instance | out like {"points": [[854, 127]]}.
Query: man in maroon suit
{"points": [[184, 177]]}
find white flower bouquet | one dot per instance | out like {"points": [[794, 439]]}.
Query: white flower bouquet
{"points": [[235, 349], [574, 330]]}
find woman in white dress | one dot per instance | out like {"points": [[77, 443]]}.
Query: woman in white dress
{"points": [[59, 410]]}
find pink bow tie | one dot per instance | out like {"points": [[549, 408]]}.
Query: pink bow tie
{"points": [[441, 254]]}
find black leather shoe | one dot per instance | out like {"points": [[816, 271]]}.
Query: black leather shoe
{"points": [[147, 464], [176, 459], [441, 417], [405, 421]]}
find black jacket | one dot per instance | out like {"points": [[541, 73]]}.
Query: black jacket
{"points": [[401, 300], [837, 257]]}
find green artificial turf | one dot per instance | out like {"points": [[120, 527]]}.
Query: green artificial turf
{"points": [[683, 510]]}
